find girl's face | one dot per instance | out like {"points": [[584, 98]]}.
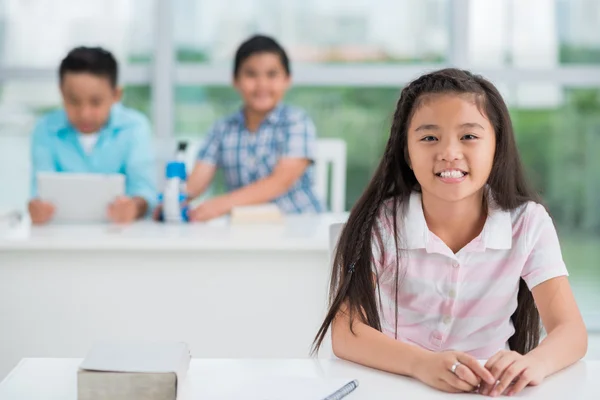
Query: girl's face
{"points": [[262, 82], [451, 147]]}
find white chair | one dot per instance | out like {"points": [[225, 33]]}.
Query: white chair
{"points": [[335, 230], [334, 234], [331, 151]]}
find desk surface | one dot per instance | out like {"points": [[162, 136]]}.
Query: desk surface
{"points": [[53, 379], [296, 233]]}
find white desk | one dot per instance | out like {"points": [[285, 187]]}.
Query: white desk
{"points": [[228, 291], [54, 379]]}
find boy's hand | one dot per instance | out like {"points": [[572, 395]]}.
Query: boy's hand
{"points": [[210, 209], [125, 210], [40, 211]]}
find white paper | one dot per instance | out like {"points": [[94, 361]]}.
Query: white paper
{"points": [[278, 388]]}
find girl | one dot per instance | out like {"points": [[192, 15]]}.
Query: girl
{"points": [[449, 257], [266, 149]]}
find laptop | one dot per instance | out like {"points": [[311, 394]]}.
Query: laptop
{"points": [[80, 197]]}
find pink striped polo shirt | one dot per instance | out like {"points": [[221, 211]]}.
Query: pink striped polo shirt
{"points": [[462, 301]]}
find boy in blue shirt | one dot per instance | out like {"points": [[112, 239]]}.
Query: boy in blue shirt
{"points": [[94, 133], [266, 149]]}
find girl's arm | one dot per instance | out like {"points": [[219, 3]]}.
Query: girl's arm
{"points": [[369, 347], [565, 343], [567, 337]]}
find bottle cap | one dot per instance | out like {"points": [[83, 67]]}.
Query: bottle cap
{"points": [[176, 169]]}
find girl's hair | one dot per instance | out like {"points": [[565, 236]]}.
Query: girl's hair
{"points": [[353, 288]]}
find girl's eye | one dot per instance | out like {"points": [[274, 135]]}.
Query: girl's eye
{"points": [[429, 139], [469, 136]]}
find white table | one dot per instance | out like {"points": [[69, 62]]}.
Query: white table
{"points": [[54, 379], [228, 291]]}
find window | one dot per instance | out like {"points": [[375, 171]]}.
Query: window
{"points": [[333, 31], [559, 146], [534, 33], [38, 33]]}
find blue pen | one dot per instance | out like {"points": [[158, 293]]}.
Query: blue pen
{"points": [[343, 391]]}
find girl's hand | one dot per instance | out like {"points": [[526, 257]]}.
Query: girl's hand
{"points": [[508, 367], [435, 370]]}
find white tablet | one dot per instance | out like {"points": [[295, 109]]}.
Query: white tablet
{"points": [[80, 198]]}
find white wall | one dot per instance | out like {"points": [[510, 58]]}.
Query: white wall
{"points": [[14, 171]]}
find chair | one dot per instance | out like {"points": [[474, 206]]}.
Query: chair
{"points": [[334, 233], [331, 151]]}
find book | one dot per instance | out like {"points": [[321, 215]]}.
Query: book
{"points": [[128, 370], [261, 213]]}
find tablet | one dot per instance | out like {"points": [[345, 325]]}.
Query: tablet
{"points": [[80, 197]]}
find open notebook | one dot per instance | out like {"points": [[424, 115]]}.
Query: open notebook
{"points": [[286, 388]]}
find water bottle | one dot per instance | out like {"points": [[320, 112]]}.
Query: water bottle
{"points": [[174, 195]]}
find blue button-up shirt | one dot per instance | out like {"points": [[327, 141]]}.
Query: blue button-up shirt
{"points": [[124, 146], [247, 157]]}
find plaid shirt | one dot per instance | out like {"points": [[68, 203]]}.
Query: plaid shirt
{"points": [[247, 157]]}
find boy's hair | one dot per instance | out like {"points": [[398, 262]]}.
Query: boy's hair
{"points": [[352, 284], [259, 44], [92, 60]]}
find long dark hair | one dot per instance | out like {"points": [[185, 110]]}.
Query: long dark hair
{"points": [[352, 285]]}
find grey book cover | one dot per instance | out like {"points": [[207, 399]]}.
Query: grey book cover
{"points": [[133, 370]]}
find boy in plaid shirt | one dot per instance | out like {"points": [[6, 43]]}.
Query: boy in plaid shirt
{"points": [[266, 149]]}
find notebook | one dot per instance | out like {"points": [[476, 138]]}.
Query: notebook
{"points": [[261, 213]]}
